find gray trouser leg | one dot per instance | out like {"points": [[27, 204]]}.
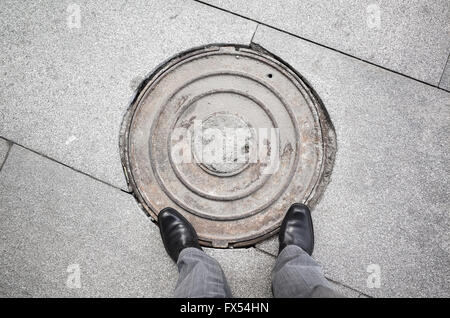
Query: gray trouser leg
{"points": [[297, 275], [200, 276]]}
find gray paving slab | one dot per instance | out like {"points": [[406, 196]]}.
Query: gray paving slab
{"points": [[4, 148], [388, 202], [55, 221], [66, 82], [410, 37], [445, 79], [247, 270]]}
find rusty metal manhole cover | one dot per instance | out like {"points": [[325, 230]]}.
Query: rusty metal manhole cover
{"points": [[230, 136]]}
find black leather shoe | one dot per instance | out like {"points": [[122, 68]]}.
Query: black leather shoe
{"points": [[297, 229], [176, 232]]}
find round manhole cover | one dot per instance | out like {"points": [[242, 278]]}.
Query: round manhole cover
{"points": [[230, 136]]}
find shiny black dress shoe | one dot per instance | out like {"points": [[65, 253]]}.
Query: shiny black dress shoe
{"points": [[297, 229], [176, 232]]}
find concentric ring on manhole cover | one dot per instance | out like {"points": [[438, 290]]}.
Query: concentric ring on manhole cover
{"points": [[230, 136]]}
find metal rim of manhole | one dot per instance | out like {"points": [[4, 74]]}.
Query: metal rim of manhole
{"points": [[230, 136]]}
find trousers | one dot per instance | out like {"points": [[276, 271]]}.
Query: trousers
{"points": [[295, 275]]}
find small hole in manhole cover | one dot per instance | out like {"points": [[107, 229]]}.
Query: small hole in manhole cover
{"points": [[230, 136]]}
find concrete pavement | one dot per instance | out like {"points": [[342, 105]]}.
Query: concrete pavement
{"points": [[67, 227]]}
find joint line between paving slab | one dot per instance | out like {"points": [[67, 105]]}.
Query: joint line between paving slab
{"points": [[319, 44], [7, 152], [346, 286], [263, 251], [443, 72], [332, 280], [256, 29], [12, 142]]}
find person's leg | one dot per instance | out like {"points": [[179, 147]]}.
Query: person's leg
{"points": [[199, 274], [295, 273]]}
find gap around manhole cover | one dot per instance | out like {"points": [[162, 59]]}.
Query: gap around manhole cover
{"points": [[230, 136]]}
